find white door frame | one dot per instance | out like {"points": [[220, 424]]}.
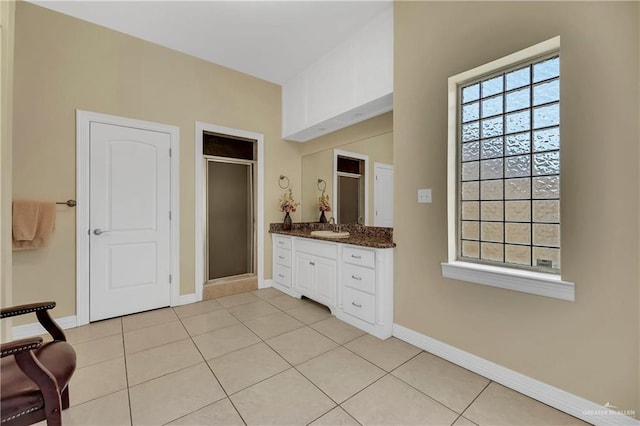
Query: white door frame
{"points": [[339, 152], [376, 200], [200, 197], [83, 120]]}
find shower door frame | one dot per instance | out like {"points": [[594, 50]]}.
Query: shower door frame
{"points": [[252, 175], [199, 237]]}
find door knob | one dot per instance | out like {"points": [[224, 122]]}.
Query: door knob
{"points": [[99, 231]]}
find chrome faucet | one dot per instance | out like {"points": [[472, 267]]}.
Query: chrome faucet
{"points": [[333, 220]]}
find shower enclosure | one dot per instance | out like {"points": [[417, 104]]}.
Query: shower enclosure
{"points": [[230, 206]]}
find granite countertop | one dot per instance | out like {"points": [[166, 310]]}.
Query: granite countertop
{"points": [[366, 236]]}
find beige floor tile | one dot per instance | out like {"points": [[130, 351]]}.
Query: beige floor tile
{"points": [[300, 345], [498, 405], [99, 350], [94, 331], [170, 397], [161, 360], [237, 299], [340, 374], [285, 302], [148, 319], [285, 399], [249, 311], [197, 308], [97, 380], [336, 417], [386, 354], [203, 323], [337, 330], [267, 293], [150, 337], [463, 422], [390, 401], [110, 410], [443, 381], [224, 340], [310, 313], [219, 413], [246, 367], [273, 325]]}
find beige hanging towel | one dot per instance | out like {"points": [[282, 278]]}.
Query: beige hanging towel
{"points": [[33, 223]]}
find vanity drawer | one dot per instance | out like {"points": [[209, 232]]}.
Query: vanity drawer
{"points": [[360, 278], [359, 304], [283, 257], [282, 242], [358, 256], [282, 275], [317, 248]]}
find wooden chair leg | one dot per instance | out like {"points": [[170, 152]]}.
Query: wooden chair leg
{"points": [[29, 364], [64, 398]]}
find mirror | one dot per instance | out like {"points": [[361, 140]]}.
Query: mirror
{"points": [[356, 183]]}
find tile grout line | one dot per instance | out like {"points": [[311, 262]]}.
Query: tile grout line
{"points": [[474, 400], [290, 364], [126, 373], [424, 393], [215, 377]]}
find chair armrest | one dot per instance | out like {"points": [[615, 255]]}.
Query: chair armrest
{"points": [[26, 309], [17, 346], [32, 368], [41, 310]]}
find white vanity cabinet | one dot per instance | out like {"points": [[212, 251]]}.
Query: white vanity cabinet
{"points": [[282, 262], [367, 289], [316, 278], [355, 282], [316, 269]]}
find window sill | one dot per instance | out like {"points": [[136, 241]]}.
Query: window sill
{"points": [[538, 283]]}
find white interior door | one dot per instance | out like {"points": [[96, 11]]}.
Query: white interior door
{"points": [[383, 195], [129, 220]]}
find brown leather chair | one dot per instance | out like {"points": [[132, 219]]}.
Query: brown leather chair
{"points": [[34, 376]]}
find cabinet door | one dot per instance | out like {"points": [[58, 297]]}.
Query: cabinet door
{"points": [[304, 269], [325, 281]]}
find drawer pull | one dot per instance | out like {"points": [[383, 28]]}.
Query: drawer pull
{"points": [[356, 305], [356, 257], [312, 264], [357, 278], [281, 257], [281, 276], [281, 242]]}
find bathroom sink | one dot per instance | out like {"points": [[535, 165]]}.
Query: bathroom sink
{"points": [[330, 234]]}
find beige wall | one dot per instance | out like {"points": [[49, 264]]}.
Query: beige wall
{"points": [[63, 64], [7, 15], [588, 347]]}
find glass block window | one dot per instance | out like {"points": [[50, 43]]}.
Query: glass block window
{"points": [[509, 167]]}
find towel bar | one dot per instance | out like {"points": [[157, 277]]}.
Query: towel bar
{"points": [[70, 203]]}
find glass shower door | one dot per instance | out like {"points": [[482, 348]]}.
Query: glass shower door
{"points": [[229, 218]]}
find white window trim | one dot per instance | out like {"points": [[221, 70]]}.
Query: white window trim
{"points": [[532, 282]]}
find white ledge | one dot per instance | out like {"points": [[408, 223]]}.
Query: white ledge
{"points": [[538, 283]]}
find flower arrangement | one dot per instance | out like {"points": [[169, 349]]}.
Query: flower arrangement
{"points": [[287, 203], [323, 202]]}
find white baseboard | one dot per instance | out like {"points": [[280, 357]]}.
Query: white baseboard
{"points": [[550, 395], [35, 329], [266, 284], [185, 299]]}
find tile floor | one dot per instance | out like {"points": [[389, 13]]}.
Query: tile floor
{"points": [[267, 358]]}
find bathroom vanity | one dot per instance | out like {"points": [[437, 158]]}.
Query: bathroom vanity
{"points": [[352, 276]]}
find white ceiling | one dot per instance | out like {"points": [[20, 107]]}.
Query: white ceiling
{"points": [[271, 40]]}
